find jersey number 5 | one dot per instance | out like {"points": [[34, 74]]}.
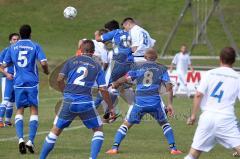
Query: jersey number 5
{"points": [[22, 59], [216, 93], [84, 73]]}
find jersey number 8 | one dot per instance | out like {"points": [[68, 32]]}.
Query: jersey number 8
{"points": [[148, 78]]}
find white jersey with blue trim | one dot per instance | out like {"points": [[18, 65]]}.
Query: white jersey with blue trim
{"points": [[23, 55], [221, 88]]}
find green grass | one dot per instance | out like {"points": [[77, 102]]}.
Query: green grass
{"points": [[59, 37]]}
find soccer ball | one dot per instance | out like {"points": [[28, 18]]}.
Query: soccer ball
{"points": [[70, 12]]}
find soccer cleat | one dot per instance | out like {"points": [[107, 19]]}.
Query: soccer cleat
{"points": [[112, 152], [22, 148], [1, 124], [8, 123], [175, 152], [30, 146]]}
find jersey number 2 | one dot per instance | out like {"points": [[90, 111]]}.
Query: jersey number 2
{"points": [[22, 59], [216, 93], [84, 73]]}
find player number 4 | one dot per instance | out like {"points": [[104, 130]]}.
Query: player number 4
{"points": [[216, 93], [84, 73]]}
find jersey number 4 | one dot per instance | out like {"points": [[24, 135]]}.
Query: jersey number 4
{"points": [[217, 93], [84, 73], [22, 59]]}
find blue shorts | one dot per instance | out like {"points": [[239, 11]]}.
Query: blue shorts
{"points": [[119, 70], [8, 90], [86, 111], [26, 97], [136, 112]]}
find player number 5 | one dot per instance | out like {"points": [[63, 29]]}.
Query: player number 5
{"points": [[22, 59], [216, 93]]}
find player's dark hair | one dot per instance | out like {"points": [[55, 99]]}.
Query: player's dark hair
{"points": [[128, 19], [12, 35], [25, 31], [228, 55], [87, 47], [112, 25], [102, 31]]}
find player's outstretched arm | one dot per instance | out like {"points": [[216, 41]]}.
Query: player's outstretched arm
{"points": [[44, 65], [196, 105], [120, 81], [61, 82], [170, 99]]}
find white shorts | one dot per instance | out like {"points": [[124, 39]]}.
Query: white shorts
{"points": [[216, 128]]}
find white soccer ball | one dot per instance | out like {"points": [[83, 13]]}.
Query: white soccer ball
{"points": [[70, 12]]}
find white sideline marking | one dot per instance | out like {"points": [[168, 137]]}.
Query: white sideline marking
{"points": [[40, 133]]}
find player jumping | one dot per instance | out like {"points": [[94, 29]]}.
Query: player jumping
{"points": [[8, 97], [216, 96], [149, 76], [23, 56], [80, 73]]}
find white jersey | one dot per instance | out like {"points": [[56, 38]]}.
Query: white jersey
{"points": [[100, 51], [140, 38], [182, 61], [221, 87]]}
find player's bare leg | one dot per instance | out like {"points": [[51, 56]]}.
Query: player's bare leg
{"points": [[120, 135], [193, 154], [237, 153], [19, 129]]}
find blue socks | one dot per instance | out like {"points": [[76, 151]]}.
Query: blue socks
{"points": [[19, 126], [48, 145], [33, 126], [96, 145], [2, 111], [9, 112], [168, 133], [121, 133]]}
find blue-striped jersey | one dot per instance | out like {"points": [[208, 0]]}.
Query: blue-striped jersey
{"points": [[24, 55], [81, 72], [9, 69], [149, 77], [121, 44]]}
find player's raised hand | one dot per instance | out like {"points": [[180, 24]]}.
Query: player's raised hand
{"points": [[191, 120]]}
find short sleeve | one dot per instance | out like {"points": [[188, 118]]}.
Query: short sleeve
{"points": [[40, 54], [65, 69], [202, 88], [165, 77], [7, 58], [101, 79], [175, 59], [108, 36]]}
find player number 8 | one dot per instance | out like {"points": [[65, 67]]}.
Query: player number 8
{"points": [[148, 78]]}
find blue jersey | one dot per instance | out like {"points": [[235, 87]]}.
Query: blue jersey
{"points": [[149, 76], [81, 72], [121, 44], [23, 55], [9, 69]]}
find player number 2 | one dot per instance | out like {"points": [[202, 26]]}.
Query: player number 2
{"points": [[22, 59], [148, 78], [216, 93], [84, 73]]}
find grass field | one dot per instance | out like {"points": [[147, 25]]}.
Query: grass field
{"points": [[59, 38]]}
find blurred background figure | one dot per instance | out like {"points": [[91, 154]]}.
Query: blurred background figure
{"points": [[182, 62]]}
